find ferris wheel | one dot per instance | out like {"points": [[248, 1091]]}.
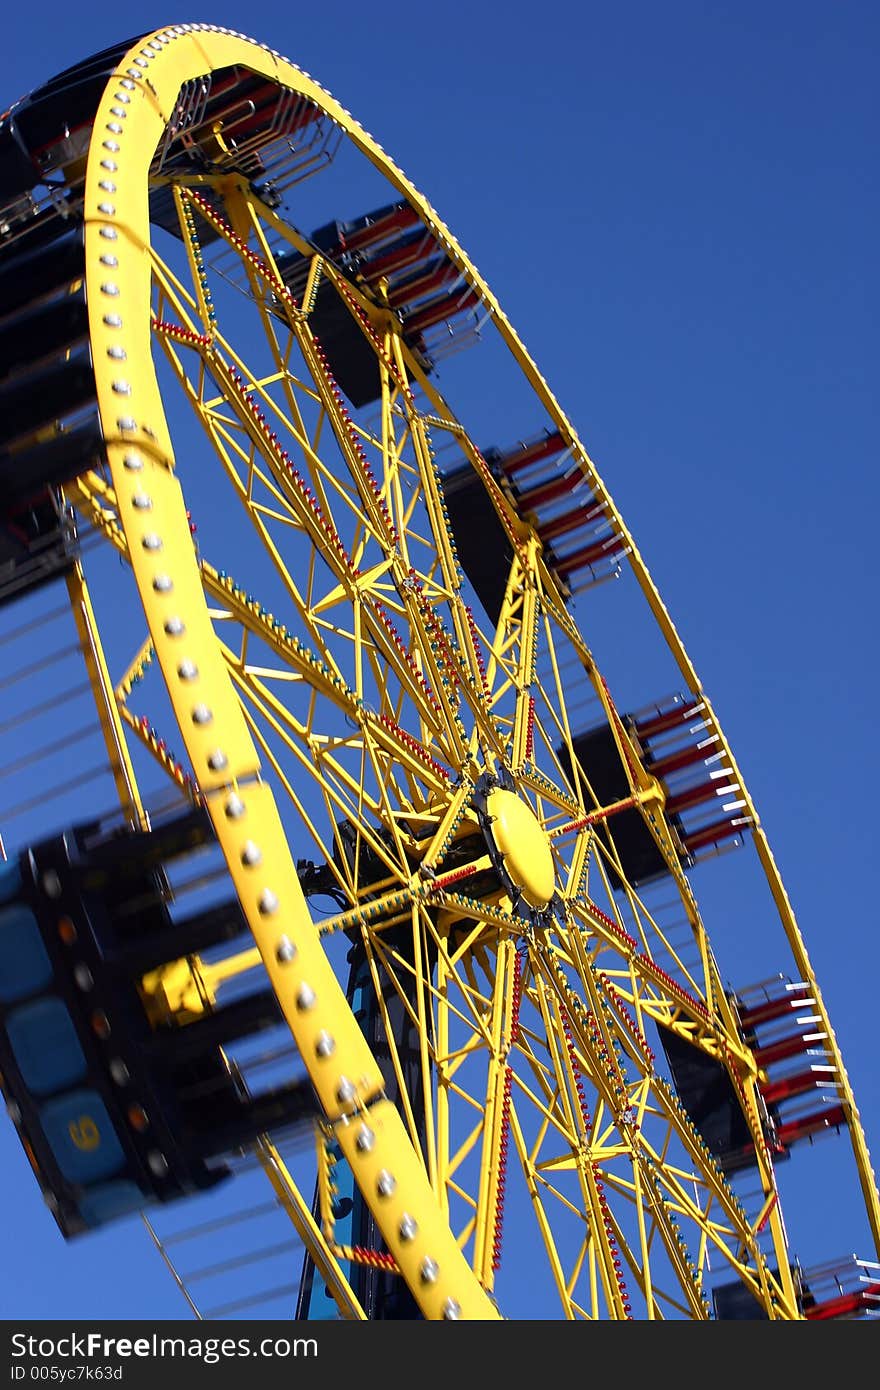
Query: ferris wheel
{"points": [[365, 932]]}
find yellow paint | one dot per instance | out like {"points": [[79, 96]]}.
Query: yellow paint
{"points": [[84, 1133], [523, 845]]}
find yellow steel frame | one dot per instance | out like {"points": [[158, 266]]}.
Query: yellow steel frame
{"points": [[506, 1032]]}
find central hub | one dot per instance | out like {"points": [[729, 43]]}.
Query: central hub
{"points": [[522, 844]]}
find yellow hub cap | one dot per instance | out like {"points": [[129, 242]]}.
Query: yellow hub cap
{"points": [[523, 845]]}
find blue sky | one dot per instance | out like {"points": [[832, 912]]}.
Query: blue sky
{"points": [[677, 208]]}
